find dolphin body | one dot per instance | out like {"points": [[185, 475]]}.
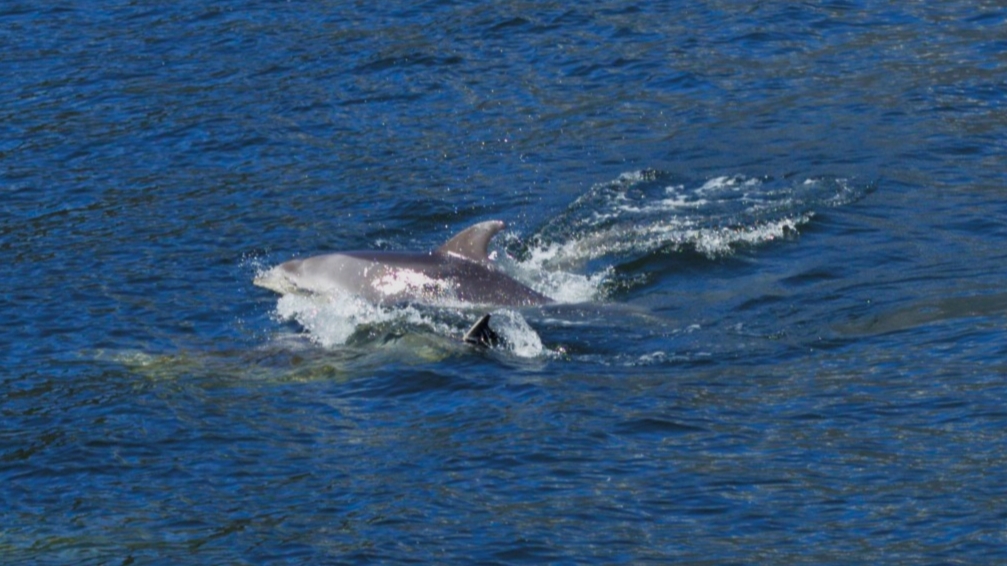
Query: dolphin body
{"points": [[459, 272]]}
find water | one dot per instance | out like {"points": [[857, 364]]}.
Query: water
{"points": [[775, 230]]}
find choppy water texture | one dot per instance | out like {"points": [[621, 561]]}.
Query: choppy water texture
{"points": [[775, 231]]}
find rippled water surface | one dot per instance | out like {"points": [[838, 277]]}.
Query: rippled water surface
{"points": [[775, 231]]}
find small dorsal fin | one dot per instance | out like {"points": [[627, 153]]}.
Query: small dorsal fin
{"points": [[481, 334], [472, 242]]}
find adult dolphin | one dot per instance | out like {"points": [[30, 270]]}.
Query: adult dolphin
{"points": [[459, 272]]}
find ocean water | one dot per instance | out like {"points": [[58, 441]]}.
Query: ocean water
{"points": [[775, 231]]}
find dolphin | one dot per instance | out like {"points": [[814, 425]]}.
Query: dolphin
{"points": [[459, 273]]}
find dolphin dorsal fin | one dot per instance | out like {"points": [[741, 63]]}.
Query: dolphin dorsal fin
{"points": [[481, 334], [472, 242]]}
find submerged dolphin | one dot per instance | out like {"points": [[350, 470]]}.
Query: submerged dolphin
{"points": [[459, 272]]}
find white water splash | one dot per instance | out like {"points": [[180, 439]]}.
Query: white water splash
{"points": [[331, 320], [643, 212], [518, 335], [561, 286]]}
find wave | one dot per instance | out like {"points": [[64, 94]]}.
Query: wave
{"points": [[644, 212]]}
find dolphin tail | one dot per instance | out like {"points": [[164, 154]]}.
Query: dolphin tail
{"points": [[481, 334]]}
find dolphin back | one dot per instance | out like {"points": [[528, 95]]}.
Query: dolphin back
{"points": [[458, 271]]}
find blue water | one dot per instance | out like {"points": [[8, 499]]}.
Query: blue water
{"points": [[776, 229]]}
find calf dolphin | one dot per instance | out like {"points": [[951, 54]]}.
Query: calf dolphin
{"points": [[459, 272]]}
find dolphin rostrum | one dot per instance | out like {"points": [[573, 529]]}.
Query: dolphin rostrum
{"points": [[458, 273]]}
